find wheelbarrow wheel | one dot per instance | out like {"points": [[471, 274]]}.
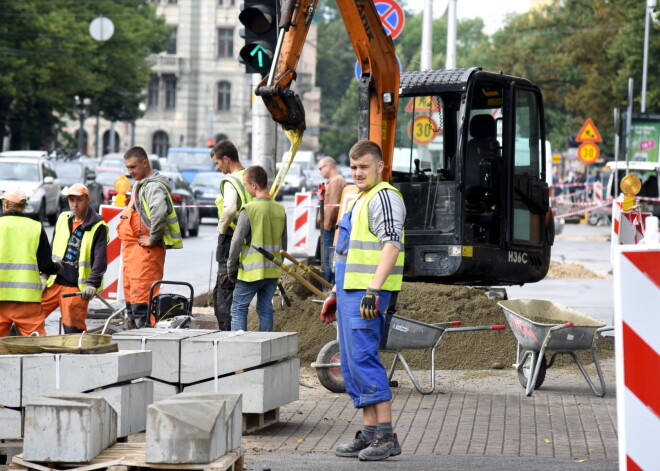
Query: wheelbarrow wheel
{"points": [[526, 370], [330, 377]]}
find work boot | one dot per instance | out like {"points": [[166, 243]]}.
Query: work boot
{"points": [[140, 315], [381, 448], [351, 450]]}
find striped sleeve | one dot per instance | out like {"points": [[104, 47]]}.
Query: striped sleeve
{"points": [[387, 214]]}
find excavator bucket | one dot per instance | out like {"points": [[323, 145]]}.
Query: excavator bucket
{"points": [[284, 106]]}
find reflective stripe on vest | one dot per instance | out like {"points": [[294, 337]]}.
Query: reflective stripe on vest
{"points": [[364, 249], [267, 219], [172, 232], [236, 180], [19, 269], [61, 242]]}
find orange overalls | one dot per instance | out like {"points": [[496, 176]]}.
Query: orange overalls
{"points": [[142, 265]]}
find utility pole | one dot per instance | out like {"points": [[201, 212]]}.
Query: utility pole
{"points": [[263, 133], [650, 4], [451, 35], [427, 36]]}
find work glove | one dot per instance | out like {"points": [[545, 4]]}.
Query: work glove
{"points": [[60, 267], [44, 283], [225, 282], [231, 278], [329, 311], [88, 293], [369, 304]]}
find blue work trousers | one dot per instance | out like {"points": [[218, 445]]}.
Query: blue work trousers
{"points": [[243, 294], [365, 376]]}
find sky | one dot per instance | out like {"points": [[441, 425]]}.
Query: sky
{"points": [[493, 12]]}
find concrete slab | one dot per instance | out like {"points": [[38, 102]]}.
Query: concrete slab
{"points": [[40, 372], [73, 428], [233, 413], [100, 405], [235, 351], [162, 390], [10, 423], [10, 372], [185, 431], [130, 401], [263, 389], [164, 345]]}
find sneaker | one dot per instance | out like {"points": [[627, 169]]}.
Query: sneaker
{"points": [[381, 448], [351, 450]]}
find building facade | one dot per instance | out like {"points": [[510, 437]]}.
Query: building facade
{"points": [[198, 90]]}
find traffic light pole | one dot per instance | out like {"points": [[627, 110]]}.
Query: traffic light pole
{"points": [[263, 133]]}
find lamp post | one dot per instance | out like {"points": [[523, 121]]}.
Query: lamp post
{"points": [[648, 11], [82, 104]]}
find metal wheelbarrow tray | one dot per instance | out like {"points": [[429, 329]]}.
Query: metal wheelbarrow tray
{"points": [[573, 331], [401, 333]]}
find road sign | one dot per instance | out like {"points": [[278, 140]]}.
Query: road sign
{"points": [[588, 152], [423, 130], [556, 158], [391, 15], [588, 132], [423, 104]]}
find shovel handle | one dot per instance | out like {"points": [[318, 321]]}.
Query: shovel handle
{"points": [[288, 270], [304, 267]]}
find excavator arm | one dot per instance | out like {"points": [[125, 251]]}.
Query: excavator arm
{"points": [[379, 81]]}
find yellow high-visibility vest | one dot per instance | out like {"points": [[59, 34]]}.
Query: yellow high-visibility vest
{"points": [[19, 268]]}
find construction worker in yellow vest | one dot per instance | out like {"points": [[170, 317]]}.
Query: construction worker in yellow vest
{"points": [[368, 270], [24, 252], [233, 198], [147, 227], [80, 243], [261, 223]]}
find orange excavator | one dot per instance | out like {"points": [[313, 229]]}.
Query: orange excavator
{"points": [[465, 147]]}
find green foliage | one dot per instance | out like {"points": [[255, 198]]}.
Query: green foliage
{"points": [[48, 57]]}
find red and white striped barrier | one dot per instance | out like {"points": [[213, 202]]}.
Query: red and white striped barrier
{"points": [[598, 192], [637, 331], [301, 220], [627, 226], [112, 290]]}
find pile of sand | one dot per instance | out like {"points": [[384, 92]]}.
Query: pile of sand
{"points": [[570, 271], [428, 303]]}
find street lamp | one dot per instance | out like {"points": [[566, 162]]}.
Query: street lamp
{"points": [[82, 106], [648, 11]]}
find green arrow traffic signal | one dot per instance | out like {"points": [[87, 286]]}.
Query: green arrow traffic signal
{"points": [[259, 18], [260, 51]]}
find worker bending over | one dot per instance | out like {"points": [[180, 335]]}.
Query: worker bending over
{"points": [[80, 243], [147, 227], [233, 198], [262, 223], [368, 269], [24, 252]]}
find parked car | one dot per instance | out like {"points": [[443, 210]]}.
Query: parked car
{"points": [[106, 176], [295, 179], [78, 171], [37, 178], [185, 204], [35, 154], [206, 187]]}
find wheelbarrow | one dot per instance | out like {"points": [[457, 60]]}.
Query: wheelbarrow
{"points": [[402, 334], [572, 331]]}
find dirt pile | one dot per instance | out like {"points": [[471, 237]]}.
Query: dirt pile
{"points": [[428, 303], [570, 271]]}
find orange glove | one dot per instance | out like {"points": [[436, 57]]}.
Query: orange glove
{"points": [[329, 311]]}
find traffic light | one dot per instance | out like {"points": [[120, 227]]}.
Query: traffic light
{"points": [[260, 34]]}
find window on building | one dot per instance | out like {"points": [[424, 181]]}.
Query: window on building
{"points": [[224, 96], [171, 47], [154, 87], [225, 43], [172, 2], [160, 143], [170, 91]]}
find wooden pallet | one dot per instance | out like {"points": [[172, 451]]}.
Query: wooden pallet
{"points": [[254, 422], [130, 456]]}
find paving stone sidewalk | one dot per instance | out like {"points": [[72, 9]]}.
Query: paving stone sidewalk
{"points": [[562, 420]]}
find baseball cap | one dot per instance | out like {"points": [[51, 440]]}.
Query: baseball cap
{"points": [[15, 195], [77, 189]]}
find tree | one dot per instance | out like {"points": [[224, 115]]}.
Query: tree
{"points": [[48, 57]]}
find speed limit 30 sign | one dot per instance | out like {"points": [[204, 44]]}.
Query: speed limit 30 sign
{"points": [[588, 152]]}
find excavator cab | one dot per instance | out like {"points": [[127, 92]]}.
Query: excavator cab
{"points": [[469, 159]]}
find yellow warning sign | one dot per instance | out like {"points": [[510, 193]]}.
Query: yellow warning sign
{"points": [[588, 133], [423, 104]]}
